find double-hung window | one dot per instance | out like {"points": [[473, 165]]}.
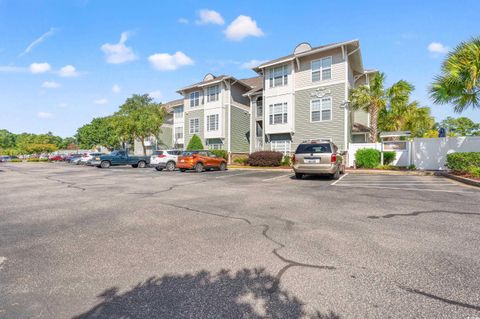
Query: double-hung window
{"points": [[178, 113], [278, 113], [194, 126], [178, 132], [282, 146], [322, 69], [321, 109], [212, 93], [194, 99], [212, 122], [278, 76]]}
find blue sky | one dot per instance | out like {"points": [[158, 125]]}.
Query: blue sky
{"points": [[63, 63]]}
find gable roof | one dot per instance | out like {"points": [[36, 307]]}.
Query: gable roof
{"points": [[248, 82]]}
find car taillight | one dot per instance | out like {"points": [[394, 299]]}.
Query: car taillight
{"points": [[293, 159], [162, 156], [333, 159]]}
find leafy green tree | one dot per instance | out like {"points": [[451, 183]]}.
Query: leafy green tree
{"points": [[37, 148], [139, 118], [195, 143], [374, 98], [459, 81], [7, 139], [461, 126], [100, 131]]}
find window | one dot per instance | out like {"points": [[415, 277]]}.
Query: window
{"points": [[282, 146], [178, 113], [179, 132], [321, 109], [313, 148], [259, 107], [278, 113], [212, 122], [194, 126], [212, 93], [278, 76], [215, 146], [194, 99], [322, 69]]}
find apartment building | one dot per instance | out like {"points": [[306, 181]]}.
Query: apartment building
{"points": [[305, 96]]}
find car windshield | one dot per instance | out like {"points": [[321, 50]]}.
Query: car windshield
{"points": [[313, 148], [157, 153], [189, 153]]}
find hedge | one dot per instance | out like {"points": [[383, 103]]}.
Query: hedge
{"points": [[265, 158], [220, 153], [463, 162], [370, 158]]}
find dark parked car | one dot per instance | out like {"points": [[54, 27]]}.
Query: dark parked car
{"points": [[120, 157], [71, 157]]}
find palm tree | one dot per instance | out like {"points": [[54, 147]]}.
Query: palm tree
{"points": [[374, 99], [459, 82]]}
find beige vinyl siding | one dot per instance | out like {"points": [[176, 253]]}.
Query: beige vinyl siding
{"points": [[190, 114], [303, 76], [361, 117], [305, 129], [165, 138], [240, 130]]}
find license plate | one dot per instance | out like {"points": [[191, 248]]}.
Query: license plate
{"points": [[312, 161]]}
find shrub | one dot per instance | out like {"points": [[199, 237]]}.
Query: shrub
{"points": [[389, 157], [265, 158], [367, 158], [16, 160], [474, 171], [195, 144], [241, 160], [286, 161], [43, 160], [221, 153], [32, 159], [462, 161]]}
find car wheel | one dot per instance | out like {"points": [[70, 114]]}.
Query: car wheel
{"points": [[199, 167], [336, 175], [158, 168], [182, 170], [134, 165], [105, 164], [223, 166], [298, 175], [141, 164], [170, 166]]}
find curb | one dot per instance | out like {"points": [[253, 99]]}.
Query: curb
{"points": [[390, 172], [464, 180], [259, 169]]}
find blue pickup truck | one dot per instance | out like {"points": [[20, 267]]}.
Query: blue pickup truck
{"points": [[120, 157]]}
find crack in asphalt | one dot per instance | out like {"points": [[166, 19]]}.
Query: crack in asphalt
{"points": [[290, 263], [432, 296], [147, 194], [69, 184], [416, 213]]}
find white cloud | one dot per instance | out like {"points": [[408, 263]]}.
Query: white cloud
{"points": [[252, 63], [119, 52], [68, 71], [116, 88], [155, 94], [44, 115], [50, 85], [168, 62], [437, 47], [101, 101], [40, 67], [38, 40], [183, 21], [210, 16], [242, 27]]}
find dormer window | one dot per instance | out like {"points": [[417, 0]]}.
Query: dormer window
{"points": [[322, 69], [194, 99], [278, 76], [212, 93]]}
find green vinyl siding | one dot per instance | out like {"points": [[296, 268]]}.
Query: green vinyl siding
{"points": [[240, 134]]}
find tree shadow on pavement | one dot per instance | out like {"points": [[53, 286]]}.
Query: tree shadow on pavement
{"points": [[247, 293]]}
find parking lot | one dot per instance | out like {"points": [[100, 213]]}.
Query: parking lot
{"points": [[82, 242]]}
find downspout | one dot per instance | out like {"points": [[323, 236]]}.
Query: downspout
{"points": [[229, 119], [345, 109]]}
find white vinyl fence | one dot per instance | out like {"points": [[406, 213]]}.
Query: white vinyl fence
{"points": [[424, 153]]}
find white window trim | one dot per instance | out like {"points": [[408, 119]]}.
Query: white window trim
{"points": [[321, 69], [180, 128], [190, 125], [216, 94], [287, 148], [271, 76], [321, 106], [190, 99], [273, 114], [178, 114], [217, 120]]}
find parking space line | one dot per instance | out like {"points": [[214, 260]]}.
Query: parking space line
{"points": [[341, 177], [403, 188], [277, 177], [231, 175]]}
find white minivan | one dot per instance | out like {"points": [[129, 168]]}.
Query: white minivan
{"points": [[165, 159]]}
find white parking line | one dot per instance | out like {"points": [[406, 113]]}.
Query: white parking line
{"points": [[404, 188], [231, 175], [277, 177], [338, 180]]}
